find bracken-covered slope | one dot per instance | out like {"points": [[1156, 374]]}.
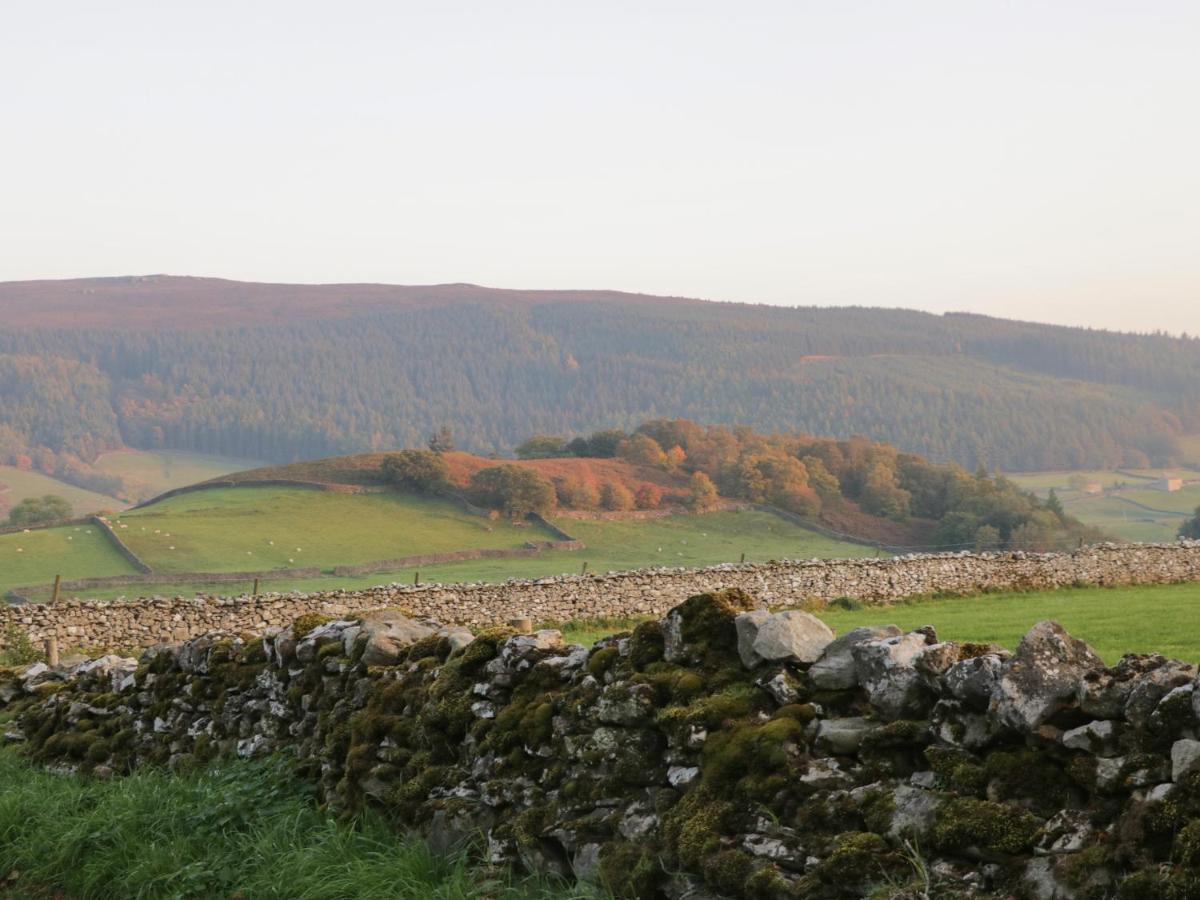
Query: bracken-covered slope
{"points": [[282, 372]]}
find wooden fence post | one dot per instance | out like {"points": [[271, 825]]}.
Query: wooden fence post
{"points": [[417, 577], [52, 651], [57, 586], [255, 587]]}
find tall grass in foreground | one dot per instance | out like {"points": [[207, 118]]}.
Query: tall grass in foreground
{"points": [[242, 830]]}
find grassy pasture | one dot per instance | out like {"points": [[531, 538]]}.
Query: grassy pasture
{"points": [[1183, 501], [153, 472], [1126, 521], [260, 528], [73, 551], [1042, 483], [17, 484], [613, 545], [1117, 518], [1113, 620]]}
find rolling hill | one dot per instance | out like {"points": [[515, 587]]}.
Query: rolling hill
{"points": [[284, 372]]}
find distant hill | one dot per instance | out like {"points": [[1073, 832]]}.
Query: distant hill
{"points": [[284, 372]]}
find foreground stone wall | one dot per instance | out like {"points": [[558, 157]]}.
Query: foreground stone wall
{"points": [[645, 592], [721, 752]]}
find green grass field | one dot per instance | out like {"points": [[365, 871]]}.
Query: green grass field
{"points": [[611, 546], [1113, 620], [1041, 483], [156, 471], [16, 485], [261, 528], [1121, 520], [1183, 501], [73, 551], [1126, 521]]}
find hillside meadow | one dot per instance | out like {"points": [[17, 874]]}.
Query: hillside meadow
{"points": [[18, 484], [152, 472], [73, 551], [260, 528], [1135, 512], [367, 527]]}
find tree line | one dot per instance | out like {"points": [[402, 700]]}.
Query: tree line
{"points": [[796, 472], [968, 389]]}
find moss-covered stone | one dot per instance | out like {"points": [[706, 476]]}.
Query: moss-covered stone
{"points": [[630, 870], [646, 645], [307, 623], [602, 660], [964, 823]]}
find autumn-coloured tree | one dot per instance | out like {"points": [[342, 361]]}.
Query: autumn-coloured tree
{"points": [[676, 457], [515, 490], [643, 450], [615, 496], [420, 471], [702, 493], [574, 493], [648, 496]]}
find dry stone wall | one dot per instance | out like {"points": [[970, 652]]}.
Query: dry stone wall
{"points": [[722, 752], [644, 592]]}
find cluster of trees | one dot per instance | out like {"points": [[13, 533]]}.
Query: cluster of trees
{"points": [[1191, 528], [805, 474], [963, 388], [796, 472], [39, 511]]}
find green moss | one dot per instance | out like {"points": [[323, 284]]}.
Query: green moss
{"points": [[307, 623], [1186, 850], [434, 646], [1158, 884], [630, 870], [602, 660], [754, 760], [646, 645], [692, 828], [966, 822], [1026, 775], [707, 625], [735, 702], [958, 769], [728, 871], [329, 649], [902, 733], [801, 712], [1077, 869], [767, 881], [481, 650], [877, 809], [857, 857]]}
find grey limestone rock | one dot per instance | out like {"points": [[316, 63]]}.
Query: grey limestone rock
{"points": [[1042, 677], [836, 668]]}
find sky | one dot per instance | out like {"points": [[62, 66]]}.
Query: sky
{"points": [[1035, 160]]}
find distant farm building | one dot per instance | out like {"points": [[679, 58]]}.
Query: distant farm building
{"points": [[1168, 483], [1092, 488]]}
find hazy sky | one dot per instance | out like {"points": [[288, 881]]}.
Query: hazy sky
{"points": [[1030, 159]]}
